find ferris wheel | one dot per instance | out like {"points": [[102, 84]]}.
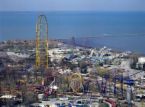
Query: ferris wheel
{"points": [[76, 82]]}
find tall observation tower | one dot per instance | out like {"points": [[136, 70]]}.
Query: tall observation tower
{"points": [[42, 42]]}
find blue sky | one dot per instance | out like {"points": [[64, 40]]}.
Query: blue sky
{"points": [[73, 5]]}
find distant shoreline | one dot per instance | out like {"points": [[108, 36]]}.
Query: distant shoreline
{"points": [[56, 41], [113, 50]]}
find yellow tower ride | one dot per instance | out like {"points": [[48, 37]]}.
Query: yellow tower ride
{"points": [[42, 42]]}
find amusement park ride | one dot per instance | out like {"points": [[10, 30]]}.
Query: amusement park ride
{"points": [[42, 57], [75, 79], [76, 82], [42, 42]]}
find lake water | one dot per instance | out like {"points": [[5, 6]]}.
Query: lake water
{"points": [[117, 30]]}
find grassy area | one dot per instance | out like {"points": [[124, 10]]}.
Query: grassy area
{"points": [[103, 105]]}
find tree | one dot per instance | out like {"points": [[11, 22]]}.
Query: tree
{"points": [[102, 71], [144, 66]]}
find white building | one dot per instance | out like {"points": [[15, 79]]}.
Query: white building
{"points": [[141, 60]]}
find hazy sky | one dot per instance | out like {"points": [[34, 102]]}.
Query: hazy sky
{"points": [[73, 5]]}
